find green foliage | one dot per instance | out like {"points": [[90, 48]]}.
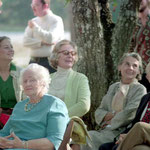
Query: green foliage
{"points": [[68, 1]]}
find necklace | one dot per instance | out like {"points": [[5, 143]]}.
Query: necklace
{"points": [[28, 108]]}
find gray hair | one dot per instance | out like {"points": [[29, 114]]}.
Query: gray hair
{"points": [[41, 73], [54, 56], [138, 58], [147, 68], [148, 3]]}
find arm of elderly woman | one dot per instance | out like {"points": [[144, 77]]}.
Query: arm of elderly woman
{"points": [[5, 142], [80, 96]]}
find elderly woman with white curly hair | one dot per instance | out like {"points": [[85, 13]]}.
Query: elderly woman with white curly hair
{"points": [[38, 122]]}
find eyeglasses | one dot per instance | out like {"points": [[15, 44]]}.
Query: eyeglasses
{"points": [[73, 53]]}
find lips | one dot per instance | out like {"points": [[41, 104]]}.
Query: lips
{"points": [[28, 89], [69, 60]]}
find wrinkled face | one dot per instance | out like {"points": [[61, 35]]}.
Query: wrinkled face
{"points": [[143, 5], [66, 56], [31, 85], [6, 50], [38, 8], [129, 69]]}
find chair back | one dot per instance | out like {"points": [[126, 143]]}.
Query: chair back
{"points": [[67, 135]]}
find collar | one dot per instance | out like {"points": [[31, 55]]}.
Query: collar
{"points": [[125, 87], [63, 71], [49, 13]]}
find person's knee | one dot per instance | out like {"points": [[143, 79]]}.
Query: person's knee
{"points": [[141, 147], [141, 125]]}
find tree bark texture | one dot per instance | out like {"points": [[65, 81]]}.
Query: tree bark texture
{"points": [[123, 30], [89, 38], [108, 25]]}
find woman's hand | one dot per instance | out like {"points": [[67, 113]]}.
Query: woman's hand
{"points": [[5, 142], [121, 138], [108, 116]]}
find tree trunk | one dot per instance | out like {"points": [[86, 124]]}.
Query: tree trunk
{"points": [[89, 38], [108, 25], [123, 30]]}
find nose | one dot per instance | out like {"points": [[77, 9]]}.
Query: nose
{"points": [[70, 54], [131, 67], [27, 83]]}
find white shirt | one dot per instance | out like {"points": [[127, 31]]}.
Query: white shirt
{"points": [[59, 82], [49, 29]]}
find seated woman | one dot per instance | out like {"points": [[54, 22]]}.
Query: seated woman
{"points": [[119, 105], [10, 89], [70, 86], [38, 122], [139, 127]]}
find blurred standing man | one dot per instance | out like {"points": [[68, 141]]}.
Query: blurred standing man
{"points": [[43, 32], [141, 38]]}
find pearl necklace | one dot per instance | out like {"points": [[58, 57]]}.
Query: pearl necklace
{"points": [[32, 105]]}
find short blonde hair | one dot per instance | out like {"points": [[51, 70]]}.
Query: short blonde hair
{"points": [[54, 56], [138, 58], [41, 73]]}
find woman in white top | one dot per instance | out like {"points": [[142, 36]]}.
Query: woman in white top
{"points": [[70, 86]]}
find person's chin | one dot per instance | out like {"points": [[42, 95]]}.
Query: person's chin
{"points": [[35, 14], [11, 58]]}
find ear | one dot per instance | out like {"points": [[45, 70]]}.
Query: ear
{"points": [[45, 6], [42, 83], [139, 71]]}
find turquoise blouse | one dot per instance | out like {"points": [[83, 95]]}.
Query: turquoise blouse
{"points": [[47, 119]]}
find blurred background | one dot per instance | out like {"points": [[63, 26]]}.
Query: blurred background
{"points": [[14, 18]]}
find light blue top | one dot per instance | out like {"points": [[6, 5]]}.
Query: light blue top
{"points": [[47, 119]]}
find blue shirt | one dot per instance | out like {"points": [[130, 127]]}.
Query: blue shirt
{"points": [[47, 119]]}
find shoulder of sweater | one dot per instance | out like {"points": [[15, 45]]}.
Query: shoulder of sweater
{"points": [[54, 16], [79, 75], [135, 84], [138, 85], [16, 72], [115, 84], [18, 68]]}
